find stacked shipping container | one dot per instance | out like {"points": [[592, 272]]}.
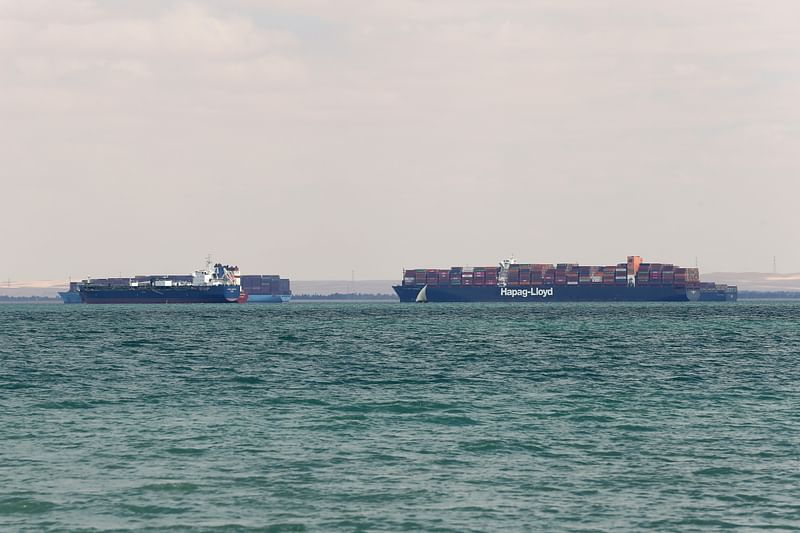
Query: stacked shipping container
{"points": [[525, 275], [268, 284], [452, 277], [140, 280]]}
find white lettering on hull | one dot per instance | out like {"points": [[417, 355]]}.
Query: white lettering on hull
{"points": [[525, 293]]}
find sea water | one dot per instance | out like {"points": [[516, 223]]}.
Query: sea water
{"points": [[393, 417]]}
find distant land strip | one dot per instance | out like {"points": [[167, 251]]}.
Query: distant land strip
{"points": [[769, 295], [29, 299], [339, 296]]}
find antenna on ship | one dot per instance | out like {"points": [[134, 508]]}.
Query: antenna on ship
{"points": [[774, 264]]}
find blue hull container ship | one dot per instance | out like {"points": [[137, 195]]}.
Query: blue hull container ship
{"points": [[262, 288], [72, 296], [633, 281], [219, 284]]}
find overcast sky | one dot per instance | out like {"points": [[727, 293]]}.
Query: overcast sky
{"points": [[315, 137]]}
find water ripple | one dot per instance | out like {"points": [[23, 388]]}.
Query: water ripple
{"points": [[564, 417]]}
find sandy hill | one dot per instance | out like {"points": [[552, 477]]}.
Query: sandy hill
{"points": [[756, 281]]}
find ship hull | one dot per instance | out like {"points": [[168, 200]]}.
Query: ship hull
{"points": [[161, 295], [71, 297], [268, 298], [718, 296], [544, 294]]}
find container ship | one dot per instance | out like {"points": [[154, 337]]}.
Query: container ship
{"points": [[718, 292], [632, 281], [71, 296], [263, 288], [220, 284], [259, 288]]}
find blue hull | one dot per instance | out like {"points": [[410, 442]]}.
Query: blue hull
{"points": [[719, 296], [268, 298], [71, 297], [546, 293], [219, 294]]}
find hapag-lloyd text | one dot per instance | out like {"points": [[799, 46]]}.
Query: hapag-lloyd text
{"points": [[524, 293]]}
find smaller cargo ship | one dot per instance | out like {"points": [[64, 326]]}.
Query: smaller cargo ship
{"points": [[71, 296], [718, 292], [220, 284], [266, 288]]}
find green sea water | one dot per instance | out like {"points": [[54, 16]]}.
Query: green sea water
{"points": [[391, 417]]}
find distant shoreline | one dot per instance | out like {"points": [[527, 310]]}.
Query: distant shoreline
{"points": [[769, 295], [344, 301], [29, 300], [346, 296]]}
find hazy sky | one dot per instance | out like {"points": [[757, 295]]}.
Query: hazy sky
{"points": [[316, 137]]}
